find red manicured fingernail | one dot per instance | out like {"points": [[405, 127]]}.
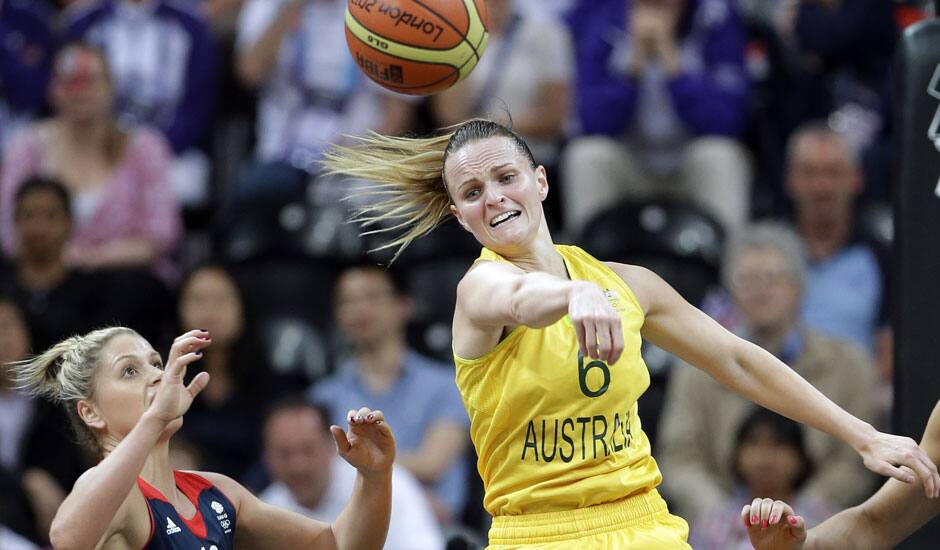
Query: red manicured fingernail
{"points": [[792, 520], [773, 520], [753, 520], [763, 524]]}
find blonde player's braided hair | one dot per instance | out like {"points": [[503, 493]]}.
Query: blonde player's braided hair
{"points": [[406, 193]]}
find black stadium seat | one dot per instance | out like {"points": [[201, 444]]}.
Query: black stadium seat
{"points": [[675, 239], [290, 229]]}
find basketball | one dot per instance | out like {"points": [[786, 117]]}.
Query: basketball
{"points": [[416, 47]]}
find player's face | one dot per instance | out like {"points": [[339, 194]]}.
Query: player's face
{"points": [[765, 289], [297, 452], [126, 380], [210, 301], [496, 194]]}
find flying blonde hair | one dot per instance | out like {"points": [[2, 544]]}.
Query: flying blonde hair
{"points": [[406, 193]]}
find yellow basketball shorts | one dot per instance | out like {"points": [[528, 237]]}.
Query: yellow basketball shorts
{"points": [[638, 522]]}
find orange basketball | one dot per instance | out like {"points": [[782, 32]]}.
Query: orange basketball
{"points": [[416, 46]]}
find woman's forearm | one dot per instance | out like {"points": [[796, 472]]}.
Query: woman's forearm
{"points": [[104, 489], [764, 379], [363, 523], [538, 299]]}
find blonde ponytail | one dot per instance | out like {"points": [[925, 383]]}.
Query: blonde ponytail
{"points": [[406, 192]]}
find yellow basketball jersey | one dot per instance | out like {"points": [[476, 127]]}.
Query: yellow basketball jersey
{"points": [[553, 430]]}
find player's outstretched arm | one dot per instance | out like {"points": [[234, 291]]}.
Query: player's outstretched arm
{"points": [[363, 525], [678, 327]]}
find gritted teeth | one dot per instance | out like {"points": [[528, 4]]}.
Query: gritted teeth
{"points": [[505, 216]]}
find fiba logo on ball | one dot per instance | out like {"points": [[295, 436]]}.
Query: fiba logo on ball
{"points": [[416, 46]]}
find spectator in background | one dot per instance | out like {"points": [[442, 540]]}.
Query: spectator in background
{"points": [[847, 292], [16, 410], [162, 60], [124, 211], [311, 92], [29, 496], [27, 43], [311, 479], [225, 421], [835, 55], [661, 97], [770, 460], [840, 54], [848, 295], [847, 288], [526, 73], [766, 274], [418, 395], [57, 301]]}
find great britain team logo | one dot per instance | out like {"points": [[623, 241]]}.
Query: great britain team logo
{"points": [[221, 516]]}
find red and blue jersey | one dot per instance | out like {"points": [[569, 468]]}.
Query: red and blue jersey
{"points": [[212, 527]]}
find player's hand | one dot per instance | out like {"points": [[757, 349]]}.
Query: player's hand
{"points": [[369, 445], [772, 525], [600, 334], [172, 397], [900, 458]]}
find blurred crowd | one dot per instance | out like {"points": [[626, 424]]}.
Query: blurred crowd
{"points": [[160, 170]]}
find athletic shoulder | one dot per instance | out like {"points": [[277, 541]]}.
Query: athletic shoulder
{"points": [[233, 490]]}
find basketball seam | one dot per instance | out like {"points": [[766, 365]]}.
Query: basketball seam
{"points": [[422, 46], [452, 26], [454, 69]]}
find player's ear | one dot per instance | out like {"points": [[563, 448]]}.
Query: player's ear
{"points": [[89, 415], [541, 179]]}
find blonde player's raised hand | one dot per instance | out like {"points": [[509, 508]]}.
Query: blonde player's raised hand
{"points": [[172, 397], [772, 525], [369, 444]]}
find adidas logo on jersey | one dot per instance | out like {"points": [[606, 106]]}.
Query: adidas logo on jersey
{"points": [[171, 527]]}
